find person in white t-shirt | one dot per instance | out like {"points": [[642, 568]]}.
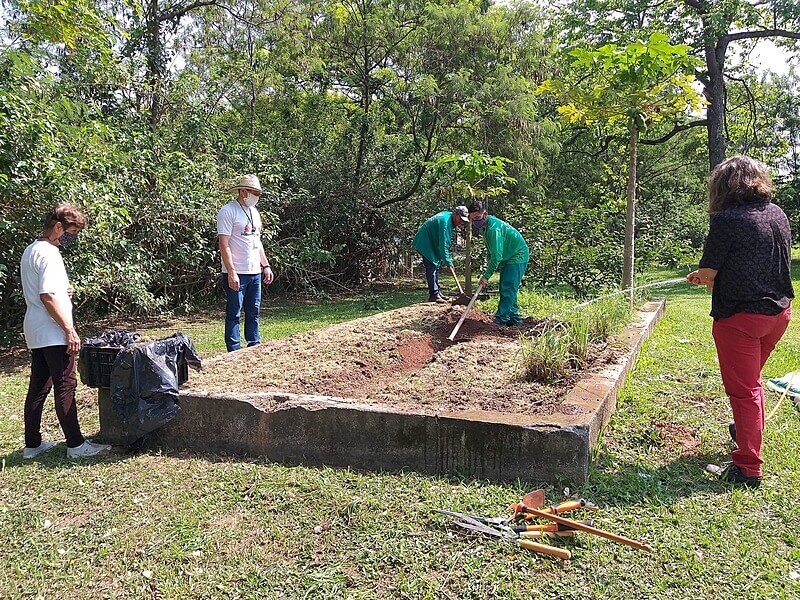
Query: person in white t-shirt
{"points": [[50, 334], [243, 261]]}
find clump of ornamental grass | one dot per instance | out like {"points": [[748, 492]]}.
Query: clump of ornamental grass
{"points": [[554, 349], [606, 316]]}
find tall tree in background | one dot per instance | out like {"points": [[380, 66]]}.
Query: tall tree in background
{"points": [[708, 26], [629, 85]]}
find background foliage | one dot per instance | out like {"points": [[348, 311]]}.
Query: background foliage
{"points": [[144, 112]]}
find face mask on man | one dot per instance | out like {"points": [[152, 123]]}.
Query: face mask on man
{"points": [[66, 239], [250, 200], [478, 224]]}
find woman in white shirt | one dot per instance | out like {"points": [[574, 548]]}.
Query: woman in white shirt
{"points": [[50, 334]]}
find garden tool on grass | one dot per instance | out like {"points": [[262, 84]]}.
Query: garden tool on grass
{"points": [[505, 533], [452, 336], [462, 297], [537, 497], [523, 530]]}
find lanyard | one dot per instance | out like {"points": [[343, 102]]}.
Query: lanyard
{"points": [[248, 214]]}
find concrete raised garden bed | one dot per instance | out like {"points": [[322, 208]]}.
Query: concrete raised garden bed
{"points": [[389, 392]]}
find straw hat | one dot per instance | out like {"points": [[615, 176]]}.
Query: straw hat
{"points": [[249, 182]]}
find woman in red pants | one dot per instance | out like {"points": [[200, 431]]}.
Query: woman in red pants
{"points": [[746, 266]]}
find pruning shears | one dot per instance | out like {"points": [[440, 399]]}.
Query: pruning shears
{"points": [[506, 532], [504, 524]]}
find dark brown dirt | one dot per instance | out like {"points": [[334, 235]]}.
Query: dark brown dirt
{"points": [[400, 359], [676, 437]]}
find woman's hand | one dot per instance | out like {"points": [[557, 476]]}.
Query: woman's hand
{"points": [[703, 276], [73, 341]]}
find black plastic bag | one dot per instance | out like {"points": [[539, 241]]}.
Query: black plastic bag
{"points": [[144, 382], [115, 337]]}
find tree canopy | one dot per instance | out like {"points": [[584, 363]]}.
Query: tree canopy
{"points": [[143, 112]]}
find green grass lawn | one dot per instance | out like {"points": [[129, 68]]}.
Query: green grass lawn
{"points": [[169, 524]]}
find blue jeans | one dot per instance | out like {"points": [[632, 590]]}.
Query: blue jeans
{"points": [[247, 299], [432, 277]]}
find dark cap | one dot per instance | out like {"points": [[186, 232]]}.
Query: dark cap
{"points": [[476, 206]]}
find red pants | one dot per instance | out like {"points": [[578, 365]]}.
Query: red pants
{"points": [[744, 342]]}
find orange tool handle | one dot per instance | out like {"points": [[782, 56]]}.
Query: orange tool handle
{"points": [[553, 510], [545, 527], [545, 549], [564, 507], [589, 529]]}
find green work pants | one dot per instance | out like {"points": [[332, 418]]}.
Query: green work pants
{"points": [[510, 280]]}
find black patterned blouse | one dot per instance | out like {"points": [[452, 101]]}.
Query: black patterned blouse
{"points": [[750, 247]]}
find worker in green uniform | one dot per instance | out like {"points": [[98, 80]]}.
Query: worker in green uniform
{"points": [[507, 252], [433, 240]]}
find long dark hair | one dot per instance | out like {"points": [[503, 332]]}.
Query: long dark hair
{"points": [[737, 181]]}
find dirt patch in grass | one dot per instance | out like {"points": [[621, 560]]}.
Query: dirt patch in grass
{"points": [[400, 359], [677, 437]]}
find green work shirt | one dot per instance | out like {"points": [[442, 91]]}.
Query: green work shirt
{"points": [[434, 237], [504, 245]]}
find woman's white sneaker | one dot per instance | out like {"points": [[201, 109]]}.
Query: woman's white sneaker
{"points": [[33, 452], [87, 448]]}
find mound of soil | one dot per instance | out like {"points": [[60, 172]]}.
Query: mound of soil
{"points": [[401, 359]]}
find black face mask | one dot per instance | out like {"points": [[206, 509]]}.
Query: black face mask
{"points": [[67, 239], [478, 225]]}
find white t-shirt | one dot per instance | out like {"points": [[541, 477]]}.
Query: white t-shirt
{"points": [[243, 225], [42, 272]]}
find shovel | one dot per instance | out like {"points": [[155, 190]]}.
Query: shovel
{"points": [[462, 297], [452, 336]]}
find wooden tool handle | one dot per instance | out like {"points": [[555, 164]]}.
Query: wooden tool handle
{"points": [[589, 529], [565, 506], [458, 283], [545, 549], [452, 336], [547, 534]]}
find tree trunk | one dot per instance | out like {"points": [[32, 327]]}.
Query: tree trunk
{"points": [[155, 62], [715, 95], [468, 261], [253, 93], [630, 215]]}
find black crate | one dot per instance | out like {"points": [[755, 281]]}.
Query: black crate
{"points": [[95, 363]]}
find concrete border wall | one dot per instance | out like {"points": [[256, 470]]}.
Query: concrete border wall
{"points": [[339, 432]]}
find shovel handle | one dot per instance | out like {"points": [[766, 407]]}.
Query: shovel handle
{"points": [[545, 549], [452, 336], [458, 283]]}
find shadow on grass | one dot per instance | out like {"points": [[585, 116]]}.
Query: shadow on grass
{"points": [[626, 484], [56, 458]]}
